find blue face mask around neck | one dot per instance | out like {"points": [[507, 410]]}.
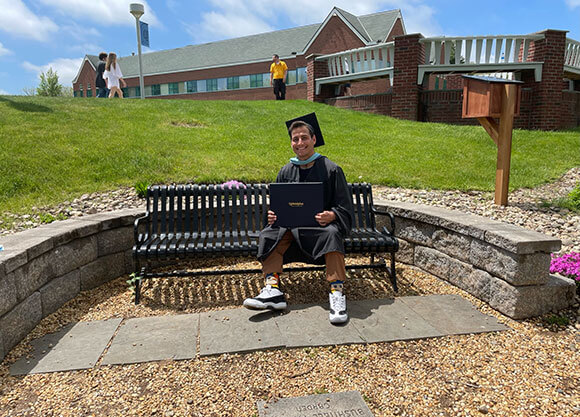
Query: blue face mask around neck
{"points": [[297, 161]]}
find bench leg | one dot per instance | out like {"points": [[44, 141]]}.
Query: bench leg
{"points": [[393, 273], [140, 273]]}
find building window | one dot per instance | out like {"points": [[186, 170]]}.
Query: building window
{"points": [[301, 75], [233, 83], [75, 93], [156, 89], [212, 85], [137, 91], [89, 92], [125, 92], [291, 77], [173, 88], [191, 86], [256, 80], [244, 81]]}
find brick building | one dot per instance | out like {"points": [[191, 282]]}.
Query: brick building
{"points": [[238, 69]]}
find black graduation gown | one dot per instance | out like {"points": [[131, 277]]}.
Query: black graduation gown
{"points": [[312, 243]]}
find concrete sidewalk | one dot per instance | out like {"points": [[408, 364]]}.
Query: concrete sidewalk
{"points": [[83, 345]]}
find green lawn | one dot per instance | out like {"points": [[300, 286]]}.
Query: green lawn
{"points": [[55, 149]]}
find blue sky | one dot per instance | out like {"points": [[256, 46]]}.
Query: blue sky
{"points": [[38, 34]]}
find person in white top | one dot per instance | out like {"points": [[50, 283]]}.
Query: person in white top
{"points": [[114, 76]]}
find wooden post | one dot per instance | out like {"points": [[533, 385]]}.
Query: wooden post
{"points": [[485, 98], [504, 143]]}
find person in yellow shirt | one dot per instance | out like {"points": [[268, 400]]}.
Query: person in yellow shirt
{"points": [[278, 71]]}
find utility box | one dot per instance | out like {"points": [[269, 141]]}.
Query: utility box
{"points": [[482, 96]]}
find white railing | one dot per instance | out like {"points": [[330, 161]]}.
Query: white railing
{"points": [[572, 55], [360, 60], [479, 49], [479, 53]]}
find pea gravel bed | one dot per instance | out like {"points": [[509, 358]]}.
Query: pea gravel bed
{"points": [[531, 370]]}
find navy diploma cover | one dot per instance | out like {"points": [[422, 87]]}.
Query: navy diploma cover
{"points": [[296, 203]]}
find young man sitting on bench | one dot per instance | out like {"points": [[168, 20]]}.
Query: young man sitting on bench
{"points": [[315, 245]]}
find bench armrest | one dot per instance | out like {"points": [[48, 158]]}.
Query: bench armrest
{"points": [[385, 213], [143, 221]]}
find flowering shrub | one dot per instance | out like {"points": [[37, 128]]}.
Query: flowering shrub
{"points": [[233, 184], [567, 265]]}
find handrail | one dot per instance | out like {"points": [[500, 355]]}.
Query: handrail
{"points": [[512, 49], [360, 60], [572, 54]]}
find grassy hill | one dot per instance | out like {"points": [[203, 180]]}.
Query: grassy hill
{"points": [[54, 149]]}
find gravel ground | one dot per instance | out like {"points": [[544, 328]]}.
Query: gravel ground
{"points": [[530, 370]]}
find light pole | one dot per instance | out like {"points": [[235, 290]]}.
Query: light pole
{"points": [[137, 10]]}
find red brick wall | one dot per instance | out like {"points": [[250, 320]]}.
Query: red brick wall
{"points": [[382, 85], [409, 53], [444, 106], [314, 70], [570, 109], [335, 37], [396, 31], [374, 103], [266, 93], [86, 77], [548, 93]]}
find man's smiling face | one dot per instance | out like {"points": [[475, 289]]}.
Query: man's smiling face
{"points": [[303, 143]]}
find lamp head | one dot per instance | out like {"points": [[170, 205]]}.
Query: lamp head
{"points": [[137, 10]]}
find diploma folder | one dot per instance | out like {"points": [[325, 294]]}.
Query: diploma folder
{"points": [[296, 203]]}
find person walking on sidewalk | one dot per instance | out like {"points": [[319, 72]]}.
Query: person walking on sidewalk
{"points": [[318, 245], [278, 71]]}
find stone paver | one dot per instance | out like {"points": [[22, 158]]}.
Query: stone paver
{"points": [[308, 325], [76, 346], [238, 330], [389, 320], [154, 338], [349, 403], [452, 314], [241, 330]]}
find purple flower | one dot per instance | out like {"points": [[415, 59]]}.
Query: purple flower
{"points": [[567, 265], [233, 184]]}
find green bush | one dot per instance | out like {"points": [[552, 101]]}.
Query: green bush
{"points": [[574, 197], [141, 188]]}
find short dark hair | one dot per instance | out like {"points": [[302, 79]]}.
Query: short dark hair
{"points": [[299, 123], [102, 56], [276, 55]]}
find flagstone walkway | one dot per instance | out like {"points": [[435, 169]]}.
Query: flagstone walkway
{"points": [[85, 345]]}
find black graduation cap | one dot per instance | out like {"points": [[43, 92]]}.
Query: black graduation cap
{"points": [[312, 121]]}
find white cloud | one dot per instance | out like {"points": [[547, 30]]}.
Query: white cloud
{"points": [[18, 20], [66, 68], [573, 3], [107, 12], [4, 92], [227, 25], [233, 18], [4, 51]]}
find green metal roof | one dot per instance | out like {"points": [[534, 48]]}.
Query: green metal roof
{"points": [[253, 48]]}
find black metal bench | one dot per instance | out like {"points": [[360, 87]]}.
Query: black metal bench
{"points": [[194, 221]]}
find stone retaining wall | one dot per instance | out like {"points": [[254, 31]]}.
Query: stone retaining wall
{"points": [[43, 268], [506, 266], [503, 265]]}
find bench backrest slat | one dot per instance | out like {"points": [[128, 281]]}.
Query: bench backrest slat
{"points": [[193, 208]]}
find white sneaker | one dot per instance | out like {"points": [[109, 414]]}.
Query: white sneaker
{"points": [[337, 312], [269, 297]]}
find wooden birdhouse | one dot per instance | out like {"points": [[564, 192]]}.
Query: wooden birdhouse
{"points": [[482, 96]]}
